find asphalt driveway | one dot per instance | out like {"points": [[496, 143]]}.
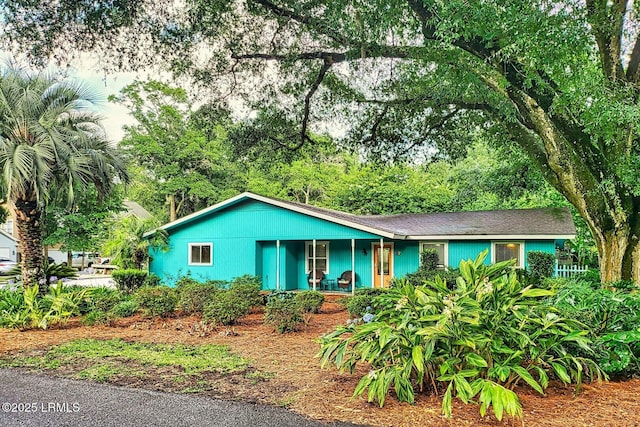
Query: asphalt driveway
{"points": [[38, 400]]}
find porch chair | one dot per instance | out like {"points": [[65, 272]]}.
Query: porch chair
{"points": [[317, 277], [345, 280]]}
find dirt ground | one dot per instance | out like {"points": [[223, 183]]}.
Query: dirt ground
{"points": [[300, 384]]}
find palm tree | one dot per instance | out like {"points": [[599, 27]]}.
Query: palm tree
{"points": [[50, 139], [131, 239]]}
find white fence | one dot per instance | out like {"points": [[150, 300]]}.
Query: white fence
{"points": [[569, 270]]}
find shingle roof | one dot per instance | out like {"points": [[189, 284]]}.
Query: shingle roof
{"points": [[542, 223], [518, 222], [515, 222]]}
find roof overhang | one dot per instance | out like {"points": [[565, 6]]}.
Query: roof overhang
{"points": [[494, 237]]}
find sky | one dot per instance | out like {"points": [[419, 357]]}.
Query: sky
{"points": [[115, 116]]}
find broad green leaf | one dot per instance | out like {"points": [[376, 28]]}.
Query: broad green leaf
{"points": [[561, 371], [525, 375], [476, 360], [447, 406], [417, 354]]}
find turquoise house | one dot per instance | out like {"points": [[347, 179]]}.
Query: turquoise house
{"points": [[283, 242]]}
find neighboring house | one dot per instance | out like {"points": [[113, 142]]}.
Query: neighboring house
{"points": [[10, 227], [8, 246], [134, 209], [275, 239]]}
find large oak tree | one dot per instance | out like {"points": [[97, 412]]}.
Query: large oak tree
{"points": [[561, 79]]}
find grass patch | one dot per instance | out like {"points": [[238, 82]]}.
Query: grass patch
{"points": [[193, 359]]}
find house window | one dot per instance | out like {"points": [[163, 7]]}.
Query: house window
{"points": [[441, 247], [322, 256], [7, 227], [200, 253], [503, 251]]}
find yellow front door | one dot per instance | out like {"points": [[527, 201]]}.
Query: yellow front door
{"points": [[382, 271]]}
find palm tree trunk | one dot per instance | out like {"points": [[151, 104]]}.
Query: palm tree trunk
{"points": [[28, 216]]}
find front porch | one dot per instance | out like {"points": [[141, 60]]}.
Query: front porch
{"points": [[288, 264]]}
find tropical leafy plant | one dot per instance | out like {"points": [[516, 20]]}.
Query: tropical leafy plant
{"points": [[57, 306], [475, 342], [612, 316]]}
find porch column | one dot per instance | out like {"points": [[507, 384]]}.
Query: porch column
{"points": [[353, 266], [381, 260], [313, 271], [278, 264]]}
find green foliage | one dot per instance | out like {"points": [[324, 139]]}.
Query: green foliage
{"points": [[248, 287], [429, 260], [157, 300], [309, 301], [125, 308], [127, 245], [35, 311], [98, 317], [541, 264], [101, 299], [180, 156], [475, 341], [612, 316], [280, 294], [357, 305], [193, 296], [129, 280], [152, 280], [226, 308], [283, 314]]}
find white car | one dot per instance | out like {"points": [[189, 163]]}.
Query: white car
{"points": [[90, 258], [6, 265]]}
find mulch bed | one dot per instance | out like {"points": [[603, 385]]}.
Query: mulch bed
{"points": [[301, 385]]}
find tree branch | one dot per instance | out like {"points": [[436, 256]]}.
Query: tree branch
{"points": [[314, 24], [607, 23], [307, 99]]}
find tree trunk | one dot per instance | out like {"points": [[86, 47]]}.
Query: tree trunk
{"points": [[173, 212], [619, 253], [28, 218]]}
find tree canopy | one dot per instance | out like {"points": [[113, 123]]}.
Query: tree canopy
{"points": [[560, 79]]}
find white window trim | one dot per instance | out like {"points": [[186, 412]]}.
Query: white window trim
{"points": [[506, 242], [435, 242], [210, 244], [308, 259]]}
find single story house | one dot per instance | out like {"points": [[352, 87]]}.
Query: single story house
{"points": [[283, 242]]}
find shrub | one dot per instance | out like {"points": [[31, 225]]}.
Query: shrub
{"points": [[357, 304], [101, 299], [129, 280], [193, 296], [226, 308], [248, 287], [541, 264], [613, 317], [309, 301], [279, 294], [152, 280], [156, 300], [474, 342], [592, 275], [125, 308], [97, 317], [283, 314]]}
